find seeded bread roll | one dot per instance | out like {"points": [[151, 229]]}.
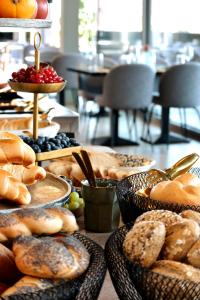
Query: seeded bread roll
{"points": [[179, 239], [54, 258], [191, 214], [144, 242], [167, 217], [177, 270], [193, 255]]}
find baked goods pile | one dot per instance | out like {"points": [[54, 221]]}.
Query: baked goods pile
{"points": [[105, 165], [167, 243], [184, 190], [32, 263], [17, 169]]}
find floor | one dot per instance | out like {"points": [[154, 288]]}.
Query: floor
{"points": [[164, 155]]}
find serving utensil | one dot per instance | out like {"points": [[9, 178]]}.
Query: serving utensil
{"points": [[156, 175], [86, 166]]}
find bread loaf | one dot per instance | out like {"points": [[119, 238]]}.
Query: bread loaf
{"points": [[8, 270], [177, 270], [191, 214], [144, 242], [183, 190], [179, 239], [25, 222], [28, 175], [12, 189], [16, 151], [27, 284], [55, 258], [193, 256], [16, 124]]}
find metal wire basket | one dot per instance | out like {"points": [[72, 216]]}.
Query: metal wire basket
{"points": [[132, 282], [85, 287], [132, 205]]}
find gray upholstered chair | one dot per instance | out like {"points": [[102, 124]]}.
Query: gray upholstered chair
{"points": [[179, 88], [61, 64], [126, 87]]}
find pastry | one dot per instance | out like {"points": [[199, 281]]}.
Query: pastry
{"points": [[28, 175], [144, 242], [184, 190], [55, 258], [177, 270], [167, 217], [28, 221], [179, 239], [12, 189]]}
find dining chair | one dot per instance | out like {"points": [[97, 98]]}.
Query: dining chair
{"points": [[179, 88], [126, 87], [61, 64]]}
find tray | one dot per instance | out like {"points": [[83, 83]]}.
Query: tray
{"points": [[37, 88], [24, 23], [51, 191], [57, 153], [87, 286]]}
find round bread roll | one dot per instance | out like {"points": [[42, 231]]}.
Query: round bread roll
{"points": [[8, 269], [191, 214], [54, 258], [179, 239], [180, 190], [144, 242], [193, 255], [28, 284], [177, 270], [165, 216]]}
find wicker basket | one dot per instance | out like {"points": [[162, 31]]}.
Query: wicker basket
{"points": [[86, 287], [132, 282], [132, 205]]}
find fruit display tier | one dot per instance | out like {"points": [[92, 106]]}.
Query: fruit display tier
{"points": [[24, 23]]}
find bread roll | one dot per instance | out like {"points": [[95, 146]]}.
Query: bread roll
{"points": [[9, 135], [8, 269], [27, 284], [179, 239], [55, 258], [191, 214], [193, 256], [28, 175], [144, 242], [183, 190], [12, 189], [16, 124], [167, 217], [25, 222], [177, 270]]}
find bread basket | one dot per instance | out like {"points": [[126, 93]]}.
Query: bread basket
{"points": [[132, 282], [132, 205], [87, 286]]}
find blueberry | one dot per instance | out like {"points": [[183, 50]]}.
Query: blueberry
{"points": [[36, 148], [55, 148]]}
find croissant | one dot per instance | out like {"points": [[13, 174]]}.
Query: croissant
{"points": [[27, 175], [16, 151], [16, 124], [12, 189], [50, 257], [28, 221]]}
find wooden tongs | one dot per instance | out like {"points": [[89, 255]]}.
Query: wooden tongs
{"points": [[84, 162]]}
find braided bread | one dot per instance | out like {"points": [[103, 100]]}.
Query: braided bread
{"points": [[47, 257], [16, 151], [27, 175], [28, 221], [12, 189]]}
